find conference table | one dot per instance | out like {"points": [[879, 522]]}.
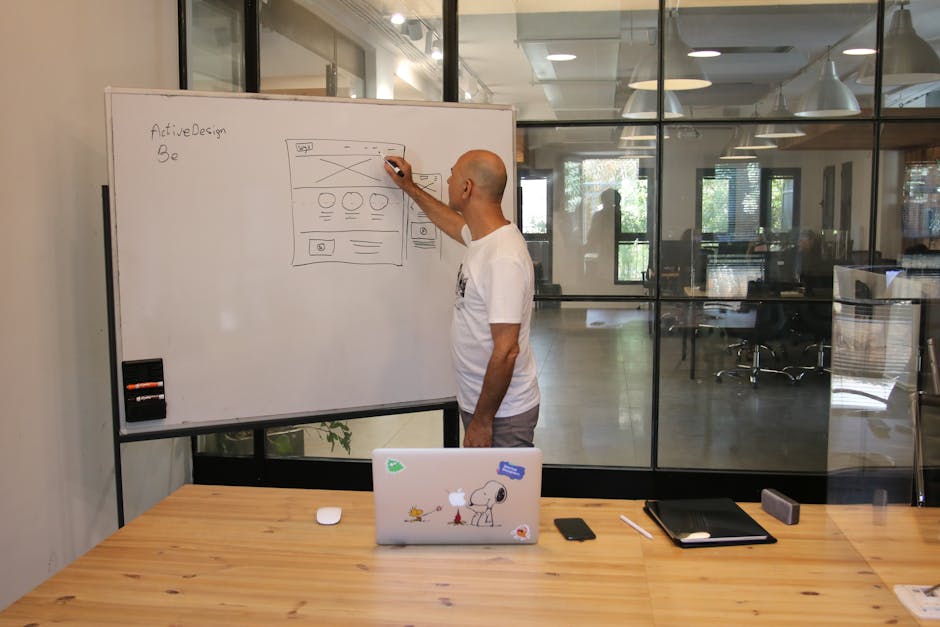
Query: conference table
{"points": [[211, 555]]}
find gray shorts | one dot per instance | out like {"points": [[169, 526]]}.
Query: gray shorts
{"points": [[511, 431]]}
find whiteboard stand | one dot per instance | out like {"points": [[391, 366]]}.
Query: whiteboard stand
{"points": [[448, 406]]}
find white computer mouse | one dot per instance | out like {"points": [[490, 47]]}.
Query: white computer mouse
{"points": [[329, 515]]}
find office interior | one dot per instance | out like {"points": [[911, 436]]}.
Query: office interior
{"points": [[629, 340], [686, 206]]}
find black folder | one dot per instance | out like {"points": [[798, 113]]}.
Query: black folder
{"points": [[706, 522]]}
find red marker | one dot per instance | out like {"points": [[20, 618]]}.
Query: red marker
{"points": [[145, 385]]}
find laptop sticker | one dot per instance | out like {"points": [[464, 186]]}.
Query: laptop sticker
{"points": [[521, 533], [483, 500], [393, 466], [512, 471], [416, 514]]}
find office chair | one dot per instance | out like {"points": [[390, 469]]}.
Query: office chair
{"points": [[771, 322], [814, 321]]}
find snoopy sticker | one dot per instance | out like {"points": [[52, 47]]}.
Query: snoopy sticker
{"points": [[482, 500]]}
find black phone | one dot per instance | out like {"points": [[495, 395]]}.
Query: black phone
{"points": [[574, 529]]}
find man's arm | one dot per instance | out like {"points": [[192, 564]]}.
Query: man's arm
{"points": [[495, 383], [445, 218]]}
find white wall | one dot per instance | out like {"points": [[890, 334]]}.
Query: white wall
{"points": [[56, 460]]}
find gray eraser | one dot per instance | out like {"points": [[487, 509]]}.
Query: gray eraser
{"points": [[780, 506]]}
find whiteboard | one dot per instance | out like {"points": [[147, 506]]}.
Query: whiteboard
{"points": [[261, 252]]}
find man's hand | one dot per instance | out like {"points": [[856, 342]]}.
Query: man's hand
{"points": [[478, 435], [404, 179]]}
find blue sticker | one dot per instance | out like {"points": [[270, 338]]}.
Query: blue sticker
{"points": [[511, 470]]}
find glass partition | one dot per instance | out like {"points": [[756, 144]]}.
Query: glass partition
{"points": [[781, 210], [910, 73], [215, 45], [684, 218], [721, 60]]}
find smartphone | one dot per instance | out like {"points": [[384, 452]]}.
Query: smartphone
{"points": [[574, 529]]}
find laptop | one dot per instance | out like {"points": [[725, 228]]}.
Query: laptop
{"points": [[457, 495]]}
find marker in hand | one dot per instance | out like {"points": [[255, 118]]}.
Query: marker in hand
{"points": [[394, 167]]}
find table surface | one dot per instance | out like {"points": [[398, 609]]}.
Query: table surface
{"points": [[210, 555]]}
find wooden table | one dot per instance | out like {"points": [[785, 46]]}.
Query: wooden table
{"points": [[210, 555]]}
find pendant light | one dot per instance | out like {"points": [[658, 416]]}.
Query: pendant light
{"points": [[907, 58], [680, 71], [637, 145], [749, 141], [641, 134], [731, 153], [828, 97], [641, 105], [779, 130]]}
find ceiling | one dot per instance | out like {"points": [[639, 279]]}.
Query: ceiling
{"points": [[503, 44]]}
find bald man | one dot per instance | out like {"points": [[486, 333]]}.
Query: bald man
{"points": [[497, 386]]}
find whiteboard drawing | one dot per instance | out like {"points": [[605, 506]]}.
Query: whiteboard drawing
{"points": [[423, 235], [345, 209]]}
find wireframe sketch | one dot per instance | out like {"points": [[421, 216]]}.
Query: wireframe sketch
{"points": [[423, 234], [346, 210]]}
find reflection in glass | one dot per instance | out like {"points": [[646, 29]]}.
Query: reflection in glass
{"points": [[215, 45]]}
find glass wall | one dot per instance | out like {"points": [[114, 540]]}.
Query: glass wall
{"points": [[215, 45], [688, 180]]}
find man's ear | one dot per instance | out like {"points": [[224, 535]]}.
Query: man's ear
{"points": [[467, 188]]}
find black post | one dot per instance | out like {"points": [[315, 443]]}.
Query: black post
{"points": [[182, 51], [252, 46], [451, 66], [451, 426], [112, 355]]}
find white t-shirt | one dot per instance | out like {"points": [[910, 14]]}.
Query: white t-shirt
{"points": [[495, 284]]}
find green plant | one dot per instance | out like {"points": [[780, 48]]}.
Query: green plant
{"points": [[281, 441], [335, 432]]}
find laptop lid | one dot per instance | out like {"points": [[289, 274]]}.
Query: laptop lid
{"points": [[457, 495]]}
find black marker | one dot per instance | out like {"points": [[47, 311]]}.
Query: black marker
{"points": [[397, 170]]}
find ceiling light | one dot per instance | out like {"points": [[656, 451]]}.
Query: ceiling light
{"points": [[828, 97], [412, 29], [397, 19], [907, 58], [561, 57], [642, 105], [680, 71], [436, 52], [749, 141], [730, 154], [779, 130], [641, 133], [704, 54], [632, 144], [859, 52]]}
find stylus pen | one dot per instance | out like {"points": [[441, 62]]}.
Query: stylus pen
{"points": [[636, 526]]}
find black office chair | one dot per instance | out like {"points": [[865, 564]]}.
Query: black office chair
{"points": [[771, 322], [813, 321]]}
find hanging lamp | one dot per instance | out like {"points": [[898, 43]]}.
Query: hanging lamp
{"points": [[779, 130], [641, 105], [680, 71], [828, 97], [908, 59]]}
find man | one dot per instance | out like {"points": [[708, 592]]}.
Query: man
{"points": [[497, 387]]}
